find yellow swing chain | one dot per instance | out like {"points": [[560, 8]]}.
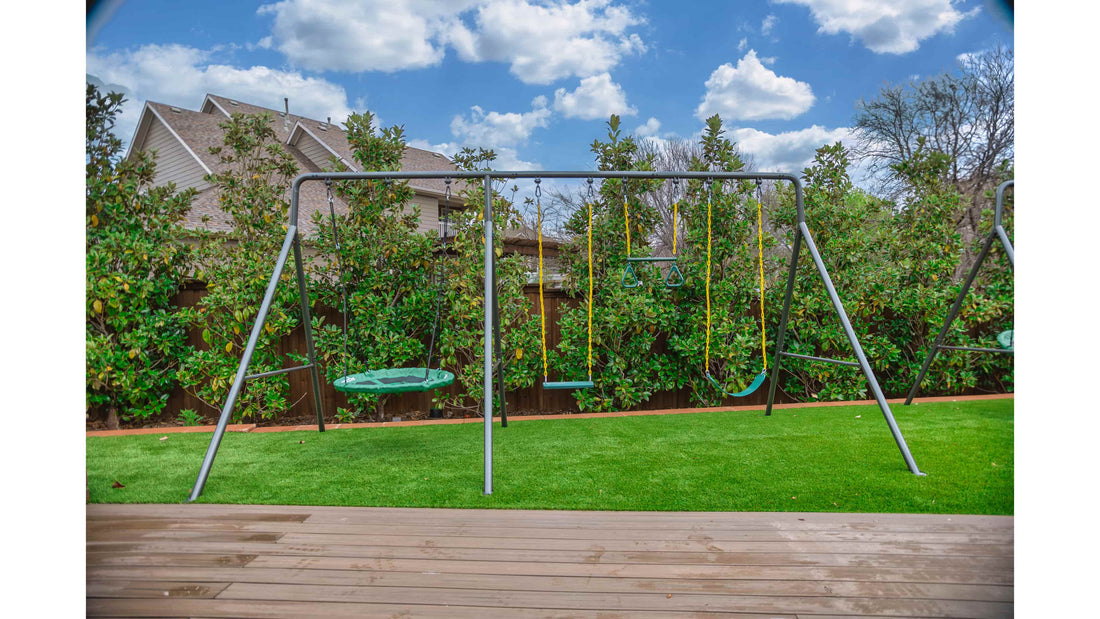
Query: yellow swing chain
{"points": [[542, 302], [760, 259], [590, 280], [675, 207], [706, 367], [626, 217]]}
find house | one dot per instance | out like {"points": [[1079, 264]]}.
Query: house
{"points": [[182, 140]]}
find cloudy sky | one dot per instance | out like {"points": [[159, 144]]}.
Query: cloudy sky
{"points": [[537, 79]]}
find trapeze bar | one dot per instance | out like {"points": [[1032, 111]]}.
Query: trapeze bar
{"points": [[282, 371], [821, 359], [577, 384], [1001, 350], [653, 259]]}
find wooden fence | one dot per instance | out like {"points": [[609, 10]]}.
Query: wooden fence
{"points": [[531, 400]]}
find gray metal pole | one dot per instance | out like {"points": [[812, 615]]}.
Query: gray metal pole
{"points": [[999, 227], [307, 327], [488, 374], [867, 371], [242, 369], [780, 338]]}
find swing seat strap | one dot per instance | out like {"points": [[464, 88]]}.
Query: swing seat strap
{"points": [[756, 382]]}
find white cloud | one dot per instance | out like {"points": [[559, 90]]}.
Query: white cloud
{"points": [[541, 40], [181, 75], [791, 151], [547, 41], [596, 97], [650, 128], [769, 23], [371, 35], [507, 158], [750, 91], [885, 26], [742, 44], [496, 129]]}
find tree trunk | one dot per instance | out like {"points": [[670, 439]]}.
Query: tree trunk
{"points": [[112, 418], [969, 227]]}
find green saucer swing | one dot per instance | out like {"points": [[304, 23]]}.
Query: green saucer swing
{"points": [[396, 380]]}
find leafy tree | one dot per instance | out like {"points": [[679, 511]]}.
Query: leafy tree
{"points": [[735, 281], [924, 258], [626, 322], [461, 339], [383, 264], [236, 268], [968, 115], [891, 269], [135, 263]]}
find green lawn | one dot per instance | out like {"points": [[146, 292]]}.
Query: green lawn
{"points": [[812, 459]]}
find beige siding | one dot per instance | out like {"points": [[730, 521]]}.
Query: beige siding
{"points": [[429, 212], [174, 163], [317, 153]]}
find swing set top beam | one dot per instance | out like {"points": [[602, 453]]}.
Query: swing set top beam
{"points": [[517, 174]]}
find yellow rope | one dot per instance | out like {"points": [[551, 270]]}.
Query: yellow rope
{"points": [[760, 250], [675, 205], [589, 291], [707, 366], [626, 220], [542, 303]]}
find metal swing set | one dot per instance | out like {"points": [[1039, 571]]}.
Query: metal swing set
{"points": [[492, 349]]}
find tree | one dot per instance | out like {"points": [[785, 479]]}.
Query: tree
{"points": [[967, 115], [673, 154], [461, 339], [383, 267], [251, 186], [135, 263]]}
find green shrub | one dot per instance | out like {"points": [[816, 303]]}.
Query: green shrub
{"points": [[236, 269], [135, 263]]}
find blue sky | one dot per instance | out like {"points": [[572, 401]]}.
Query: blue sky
{"points": [[537, 79]]}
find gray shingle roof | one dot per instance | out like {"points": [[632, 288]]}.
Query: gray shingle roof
{"points": [[200, 131]]}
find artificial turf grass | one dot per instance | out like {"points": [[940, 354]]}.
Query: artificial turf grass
{"points": [[810, 459]]}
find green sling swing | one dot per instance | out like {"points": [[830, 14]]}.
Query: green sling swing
{"points": [[759, 380]]}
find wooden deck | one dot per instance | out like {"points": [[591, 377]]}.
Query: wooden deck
{"points": [[287, 561]]}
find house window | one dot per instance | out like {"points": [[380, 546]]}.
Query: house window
{"points": [[446, 226]]}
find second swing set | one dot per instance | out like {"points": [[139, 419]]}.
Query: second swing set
{"points": [[675, 279]]}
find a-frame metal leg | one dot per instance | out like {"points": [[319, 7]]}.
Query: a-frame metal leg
{"points": [[998, 232], [802, 233], [781, 334], [242, 369], [307, 326], [860, 357], [955, 307]]}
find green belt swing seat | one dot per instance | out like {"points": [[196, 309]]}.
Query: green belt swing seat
{"points": [[546, 382], [763, 375]]}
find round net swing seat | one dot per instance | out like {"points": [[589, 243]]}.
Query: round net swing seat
{"points": [[399, 380], [1004, 338]]}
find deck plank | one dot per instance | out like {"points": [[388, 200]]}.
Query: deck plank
{"points": [[298, 561], [587, 584]]}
